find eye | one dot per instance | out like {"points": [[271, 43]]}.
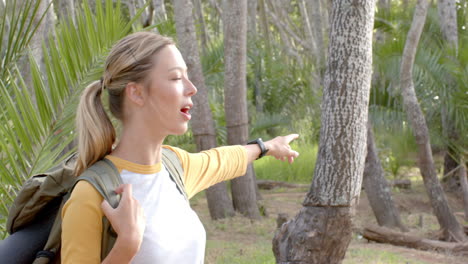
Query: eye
{"points": [[176, 78]]}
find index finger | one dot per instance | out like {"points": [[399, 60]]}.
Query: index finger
{"points": [[291, 137]]}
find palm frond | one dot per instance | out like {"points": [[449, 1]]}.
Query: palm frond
{"points": [[36, 133]]}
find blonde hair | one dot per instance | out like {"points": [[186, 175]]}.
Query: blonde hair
{"points": [[130, 60]]}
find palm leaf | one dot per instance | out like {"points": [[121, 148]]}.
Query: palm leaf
{"points": [[35, 133]]}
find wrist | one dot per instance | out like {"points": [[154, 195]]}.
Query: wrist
{"points": [[261, 145]]}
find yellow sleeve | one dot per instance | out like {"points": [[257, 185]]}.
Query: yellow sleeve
{"points": [[82, 226], [204, 169]]}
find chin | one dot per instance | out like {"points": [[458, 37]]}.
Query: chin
{"points": [[179, 131]]}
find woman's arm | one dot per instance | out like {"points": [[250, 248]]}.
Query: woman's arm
{"points": [[128, 221], [277, 147], [82, 226]]}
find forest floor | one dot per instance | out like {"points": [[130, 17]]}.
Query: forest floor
{"points": [[239, 240]]}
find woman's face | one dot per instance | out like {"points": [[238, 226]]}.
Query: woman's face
{"points": [[168, 95]]}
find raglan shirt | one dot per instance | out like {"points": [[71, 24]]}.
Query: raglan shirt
{"points": [[173, 232]]}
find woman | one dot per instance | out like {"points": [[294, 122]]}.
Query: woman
{"points": [[149, 92]]}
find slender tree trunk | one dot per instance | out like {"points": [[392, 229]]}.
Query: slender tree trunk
{"points": [[235, 98], [452, 230], [307, 27], [384, 4], [203, 129], [159, 11], [315, 9], [448, 24], [252, 17], [464, 184], [265, 25], [377, 189], [215, 6], [447, 11], [253, 5], [201, 24], [321, 232]]}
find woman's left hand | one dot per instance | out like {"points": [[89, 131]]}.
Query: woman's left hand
{"points": [[280, 149]]}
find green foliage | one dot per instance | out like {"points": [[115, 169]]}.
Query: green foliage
{"points": [[300, 171], [38, 122]]}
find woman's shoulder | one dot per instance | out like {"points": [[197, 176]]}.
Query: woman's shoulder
{"points": [[84, 194]]}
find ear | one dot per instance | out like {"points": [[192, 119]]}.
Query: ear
{"points": [[135, 93]]}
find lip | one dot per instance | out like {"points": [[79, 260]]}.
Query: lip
{"points": [[186, 114]]}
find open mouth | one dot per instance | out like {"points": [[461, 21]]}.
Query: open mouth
{"points": [[185, 111]]}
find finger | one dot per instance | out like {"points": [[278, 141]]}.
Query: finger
{"points": [[290, 159], [125, 189], [291, 137], [120, 189], [106, 208]]}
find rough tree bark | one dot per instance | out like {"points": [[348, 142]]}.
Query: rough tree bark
{"points": [[452, 230], [219, 203], [235, 99], [377, 189], [321, 231]]}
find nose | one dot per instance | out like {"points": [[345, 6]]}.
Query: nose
{"points": [[190, 89]]}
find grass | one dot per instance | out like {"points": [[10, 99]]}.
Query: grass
{"points": [[300, 171], [372, 256]]}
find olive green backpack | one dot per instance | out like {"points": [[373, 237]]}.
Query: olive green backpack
{"points": [[53, 188]]}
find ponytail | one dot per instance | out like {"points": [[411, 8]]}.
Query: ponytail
{"points": [[96, 134]]}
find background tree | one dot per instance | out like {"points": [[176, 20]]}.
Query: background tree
{"points": [[219, 202], [449, 224], [377, 188], [321, 231], [235, 99]]}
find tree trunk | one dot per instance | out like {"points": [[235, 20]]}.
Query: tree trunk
{"points": [[201, 24], [321, 232], [203, 129], [385, 4], [384, 235], [159, 11], [265, 25], [464, 184], [315, 9], [447, 11], [452, 230], [448, 24], [252, 17], [235, 98], [307, 27], [377, 189]]}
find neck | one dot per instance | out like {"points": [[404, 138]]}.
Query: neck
{"points": [[139, 147]]}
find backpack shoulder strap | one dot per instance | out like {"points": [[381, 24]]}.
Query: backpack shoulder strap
{"points": [[174, 167], [105, 178]]}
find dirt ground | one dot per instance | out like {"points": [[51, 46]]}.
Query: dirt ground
{"points": [[413, 204]]}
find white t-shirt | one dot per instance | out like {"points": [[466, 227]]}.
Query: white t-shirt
{"points": [[173, 232]]}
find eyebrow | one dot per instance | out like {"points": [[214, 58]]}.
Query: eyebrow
{"points": [[177, 68]]}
